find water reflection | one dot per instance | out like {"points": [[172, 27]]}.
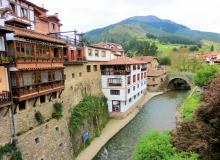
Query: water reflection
{"points": [[157, 114]]}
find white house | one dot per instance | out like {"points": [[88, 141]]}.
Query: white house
{"points": [[123, 82]]}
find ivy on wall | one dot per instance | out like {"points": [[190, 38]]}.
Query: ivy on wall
{"points": [[11, 150], [91, 109]]}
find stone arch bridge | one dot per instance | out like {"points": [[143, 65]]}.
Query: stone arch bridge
{"points": [[178, 80]]}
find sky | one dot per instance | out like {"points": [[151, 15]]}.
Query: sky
{"points": [[86, 15]]}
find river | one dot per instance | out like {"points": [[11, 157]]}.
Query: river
{"points": [[157, 114]]}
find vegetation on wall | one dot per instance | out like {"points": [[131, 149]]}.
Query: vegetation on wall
{"points": [[157, 146], [91, 111], [39, 117], [11, 150], [58, 110]]}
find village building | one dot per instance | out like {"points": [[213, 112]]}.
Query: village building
{"points": [[123, 83], [210, 57], [155, 73]]}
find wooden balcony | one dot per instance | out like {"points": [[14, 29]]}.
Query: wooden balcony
{"points": [[5, 99], [38, 60], [28, 92], [115, 72], [79, 60]]}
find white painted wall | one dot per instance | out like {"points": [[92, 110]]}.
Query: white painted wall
{"points": [[109, 56], [124, 95]]}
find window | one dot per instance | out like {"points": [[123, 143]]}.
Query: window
{"points": [[96, 53], [103, 54], [37, 140], [88, 68], [116, 106], [115, 92], [135, 96], [42, 99], [130, 100], [129, 90], [153, 79], [73, 75], [12, 6], [139, 94], [22, 106], [138, 86], [134, 88], [24, 13], [2, 44], [142, 75], [145, 74], [134, 78], [57, 129], [134, 67], [90, 52], [138, 67], [138, 77], [114, 82], [80, 74], [95, 67], [129, 80], [54, 95], [53, 26]]}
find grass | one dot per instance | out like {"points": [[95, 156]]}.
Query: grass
{"points": [[189, 106]]}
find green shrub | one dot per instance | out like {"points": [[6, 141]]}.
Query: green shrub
{"points": [[39, 117], [189, 106], [11, 149], [58, 110], [157, 146], [205, 75], [164, 61]]}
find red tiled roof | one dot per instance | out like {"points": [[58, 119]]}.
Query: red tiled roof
{"points": [[147, 59], [113, 46], [155, 72], [209, 54], [20, 32], [123, 60]]}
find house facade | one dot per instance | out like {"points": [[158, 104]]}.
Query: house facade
{"points": [[123, 83]]}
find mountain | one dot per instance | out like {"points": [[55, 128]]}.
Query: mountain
{"points": [[164, 30]]}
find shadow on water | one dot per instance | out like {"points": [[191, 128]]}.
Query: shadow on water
{"points": [[157, 114]]}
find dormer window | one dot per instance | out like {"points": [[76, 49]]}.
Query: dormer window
{"points": [[24, 13], [53, 26], [12, 6]]}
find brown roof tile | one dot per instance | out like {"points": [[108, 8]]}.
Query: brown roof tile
{"points": [[20, 32], [147, 59], [155, 72], [123, 61]]}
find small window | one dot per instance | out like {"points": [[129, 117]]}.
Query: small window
{"points": [[88, 68], [103, 54], [42, 99], [73, 75], [130, 100], [134, 88], [129, 90], [135, 96], [153, 79], [53, 26], [96, 53], [24, 13], [138, 86], [134, 78], [129, 80], [80, 74], [115, 92], [90, 52], [37, 140], [54, 95], [12, 6], [95, 67], [22, 106], [57, 129], [134, 67]]}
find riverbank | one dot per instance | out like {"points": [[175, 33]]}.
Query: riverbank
{"points": [[112, 128]]}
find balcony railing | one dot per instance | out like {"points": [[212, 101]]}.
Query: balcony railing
{"points": [[5, 97], [38, 60], [115, 72], [78, 60], [37, 89], [114, 84]]}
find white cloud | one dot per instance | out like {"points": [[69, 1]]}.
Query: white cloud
{"points": [[86, 15]]}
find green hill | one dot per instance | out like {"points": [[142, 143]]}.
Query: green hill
{"points": [[164, 30]]}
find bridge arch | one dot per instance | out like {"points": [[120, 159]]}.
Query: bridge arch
{"points": [[178, 81]]}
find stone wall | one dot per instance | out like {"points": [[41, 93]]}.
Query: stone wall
{"points": [[4, 126], [49, 141]]}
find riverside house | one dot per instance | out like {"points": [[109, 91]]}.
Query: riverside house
{"points": [[123, 83]]}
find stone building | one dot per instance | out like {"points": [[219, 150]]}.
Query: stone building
{"points": [[156, 74]]}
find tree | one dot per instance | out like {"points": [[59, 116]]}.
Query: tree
{"points": [[212, 48], [164, 61], [205, 75]]}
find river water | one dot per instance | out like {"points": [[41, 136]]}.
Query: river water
{"points": [[157, 114]]}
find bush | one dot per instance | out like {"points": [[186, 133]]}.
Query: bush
{"points": [[205, 75], [39, 117], [16, 155], [58, 110], [189, 106], [164, 61], [157, 146]]}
